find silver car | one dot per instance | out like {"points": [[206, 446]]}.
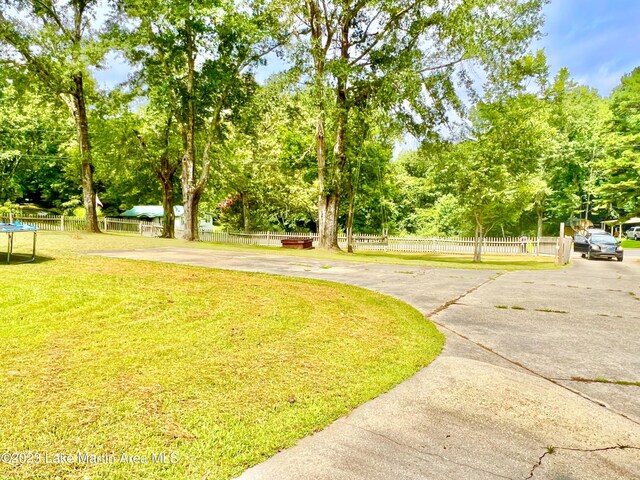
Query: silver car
{"points": [[633, 233]]}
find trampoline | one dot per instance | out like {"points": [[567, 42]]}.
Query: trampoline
{"points": [[16, 227]]}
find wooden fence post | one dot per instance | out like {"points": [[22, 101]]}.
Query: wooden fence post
{"points": [[104, 222], [62, 223]]}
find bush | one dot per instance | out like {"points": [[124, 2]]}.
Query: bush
{"points": [[8, 208]]}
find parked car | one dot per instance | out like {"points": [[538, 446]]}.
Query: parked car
{"points": [[633, 233], [598, 245]]}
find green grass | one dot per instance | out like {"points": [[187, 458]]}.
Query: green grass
{"points": [[222, 369], [630, 243]]}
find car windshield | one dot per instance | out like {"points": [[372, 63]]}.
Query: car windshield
{"points": [[604, 240]]}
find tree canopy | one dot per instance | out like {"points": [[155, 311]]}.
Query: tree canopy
{"points": [[202, 121]]}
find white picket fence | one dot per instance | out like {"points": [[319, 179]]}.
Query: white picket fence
{"points": [[363, 242], [63, 223]]}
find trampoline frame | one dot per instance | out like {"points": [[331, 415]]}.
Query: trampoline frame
{"points": [[17, 229]]}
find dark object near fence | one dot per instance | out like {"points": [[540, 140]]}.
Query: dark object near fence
{"points": [[297, 243]]}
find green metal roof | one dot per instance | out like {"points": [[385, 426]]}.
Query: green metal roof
{"points": [[150, 211]]}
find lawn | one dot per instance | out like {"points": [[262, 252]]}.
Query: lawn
{"points": [[218, 370], [630, 243]]}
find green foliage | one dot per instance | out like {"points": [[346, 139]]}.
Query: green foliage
{"points": [[37, 144], [619, 188], [581, 117], [493, 174], [72, 207], [127, 146], [265, 173], [8, 208]]}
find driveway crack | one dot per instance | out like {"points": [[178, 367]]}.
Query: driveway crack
{"points": [[421, 452], [533, 372], [604, 381], [550, 450], [601, 449], [446, 305]]}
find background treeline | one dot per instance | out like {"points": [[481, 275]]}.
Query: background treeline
{"points": [[310, 148]]}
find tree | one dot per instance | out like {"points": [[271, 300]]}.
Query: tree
{"points": [[619, 189], [496, 174], [369, 154], [138, 154], [581, 118], [266, 170], [406, 55], [35, 138], [197, 58], [53, 40]]}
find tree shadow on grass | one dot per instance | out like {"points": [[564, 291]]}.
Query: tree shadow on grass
{"points": [[22, 259]]}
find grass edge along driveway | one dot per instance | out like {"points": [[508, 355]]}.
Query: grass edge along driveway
{"points": [[117, 360]]}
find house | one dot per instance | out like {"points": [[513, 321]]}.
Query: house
{"points": [[155, 213]]}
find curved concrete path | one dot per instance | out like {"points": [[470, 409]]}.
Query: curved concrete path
{"points": [[509, 397]]}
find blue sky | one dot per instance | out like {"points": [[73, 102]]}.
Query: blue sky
{"points": [[598, 40]]}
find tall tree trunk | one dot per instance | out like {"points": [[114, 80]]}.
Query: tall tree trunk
{"points": [[314, 15], [350, 212], [332, 196], [478, 241], [540, 213], [321, 155], [79, 111], [165, 171], [169, 217], [330, 227], [245, 212], [191, 205], [190, 190], [165, 174]]}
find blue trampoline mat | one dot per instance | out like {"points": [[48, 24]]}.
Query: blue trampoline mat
{"points": [[16, 227]]}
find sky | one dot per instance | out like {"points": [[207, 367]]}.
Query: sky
{"points": [[596, 39]]}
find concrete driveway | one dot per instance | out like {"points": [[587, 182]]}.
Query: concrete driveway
{"points": [[528, 385]]}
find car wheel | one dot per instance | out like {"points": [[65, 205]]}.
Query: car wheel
{"points": [[620, 259], [583, 255]]}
